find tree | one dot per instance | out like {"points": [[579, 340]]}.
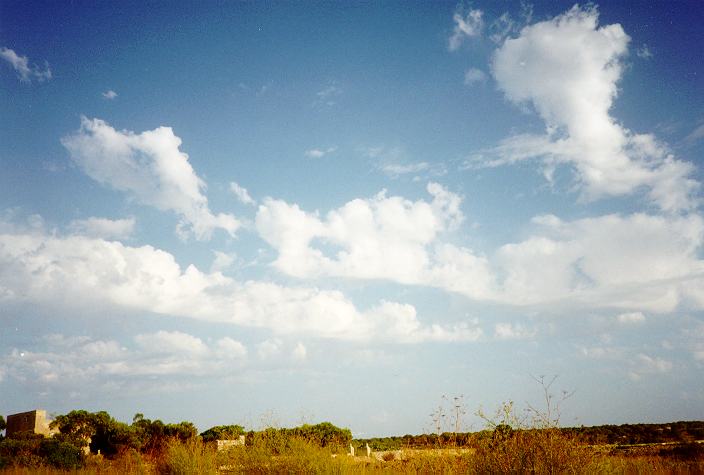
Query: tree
{"points": [[183, 431], [151, 436], [230, 432], [96, 430], [325, 434], [76, 427]]}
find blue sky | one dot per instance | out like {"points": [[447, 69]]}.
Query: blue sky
{"points": [[248, 212]]}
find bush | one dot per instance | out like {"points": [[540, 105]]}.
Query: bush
{"points": [[21, 450], [531, 451], [533, 443], [60, 454], [189, 457]]}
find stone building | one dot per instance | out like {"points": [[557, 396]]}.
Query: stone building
{"points": [[30, 421], [226, 444]]}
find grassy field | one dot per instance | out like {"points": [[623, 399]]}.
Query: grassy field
{"points": [[540, 453]]}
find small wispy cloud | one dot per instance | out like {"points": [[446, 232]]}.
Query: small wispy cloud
{"points": [[21, 65], [509, 331], [264, 89], [500, 28], [646, 364], [395, 169], [695, 135], [109, 94], [505, 25], [327, 96], [242, 194], [474, 76], [319, 152], [644, 52], [631, 317], [394, 162], [601, 352], [467, 26]]}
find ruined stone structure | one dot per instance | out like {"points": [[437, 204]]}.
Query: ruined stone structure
{"points": [[226, 444], [30, 421]]}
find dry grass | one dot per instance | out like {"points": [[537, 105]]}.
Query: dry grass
{"points": [[303, 458], [517, 451]]}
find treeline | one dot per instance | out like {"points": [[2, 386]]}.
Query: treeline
{"points": [[680, 432], [81, 433], [324, 434]]}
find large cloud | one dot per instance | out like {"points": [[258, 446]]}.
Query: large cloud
{"points": [[150, 167], [640, 261], [378, 238], [77, 271], [568, 68]]}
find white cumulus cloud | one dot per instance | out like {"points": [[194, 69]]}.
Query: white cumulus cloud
{"points": [[638, 261], [78, 272], [109, 94], [378, 238], [149, 167], [568, 69]]}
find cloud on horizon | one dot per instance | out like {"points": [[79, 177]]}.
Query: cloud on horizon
{"points": [[68, 272]]}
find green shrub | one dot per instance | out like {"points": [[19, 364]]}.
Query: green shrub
{"points": [[21, 450], [222, 432], [60, 454]]}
